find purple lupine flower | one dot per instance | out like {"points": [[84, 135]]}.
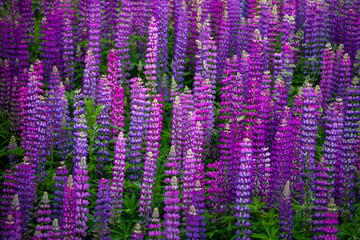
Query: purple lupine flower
{"points": [[286, 214], [44, 135], [122, 36], [180, 43], [351, 30], [94, 25], [12, 228], [321, 196], [81, 188], [83, 17], [5, 86], [61, 180], [49, 44], [332, 220], [109, 16], [308, 141], [163, 22], [188, 186], [251, 9], [273, 32], [264, 15], [137, 125], [27, 14], [195, 17], [348, 146], [117, 186], [68, 214], [68, 53], [314, 36], [13, 159], [26, 189], [155, 225], [140, 20], [222, 45], [235, 26], [103, 210], [32, 106], [79, 128], [152, 53], [103, 120], [9, 191], [91, 74], [15, 105], [192, 225], [172, 208], [326, 83], [345, 76], [55, 110], [137, 233], [282, 153], [334, 123], [43, 229], [243, 190], [288, 29], [117, 93], [55, 230], [152, 151]]}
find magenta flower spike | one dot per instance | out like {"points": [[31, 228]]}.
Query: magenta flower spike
{"points": [[11, 227], [68, 214], [43, 229], [117, 185], [152, 152], [172, 208], [122, 36], [155, 226], [286, 214], [81, 188], [137, 233], [103, 210]]}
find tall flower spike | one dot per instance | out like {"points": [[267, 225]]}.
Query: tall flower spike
{"points": [[109, 19], [321, 197], [155, 225], [243, 193], [94, 26], [60, 184], [286, 214], [152, 53], [332, 220], [81, 187], [138, 111], [122, 36], [188, 185], [117, 185], [11, 228], [26, 188], [103, 120], [43, 229], [68, 215], [152, 148], [172, 208], [90, 79], [137, 233], [326, 83], [13, 159], [103, 210], [180, 43]]}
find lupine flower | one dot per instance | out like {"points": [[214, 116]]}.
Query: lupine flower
{"points": [[43, 229], [122, 36], [140, 20], [180, 43], [332, 220], [103, 120], [172, 208], [243, 191], [152, 53], [307, 147], [117, 93], [61, 181], [91, 75], [94, 25], [234, 9], [326, 83], [13, 159], [68, 216], [103, 210], [55, 230], [109, 17], [8, 192], [321, 197], [137, 233], [273, 32], [27, 13], [117, 185], [188, 183], [155, 226], [26, 189], [5, 86], [286, 213], [81, 187], [12, 228], [152, 148], [192, 226]]}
